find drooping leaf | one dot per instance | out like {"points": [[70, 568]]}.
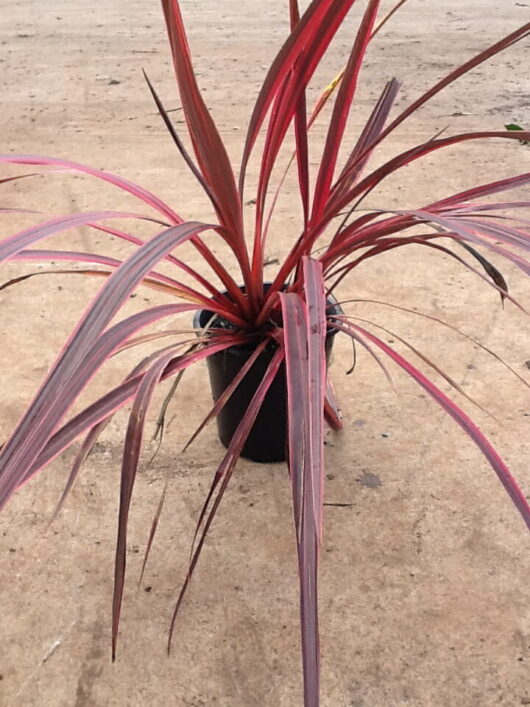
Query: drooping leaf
{"points": [[455, 329], [112, 401], [139, 192], [461, 419], [452, 382], [12, 245], [81, 456], [72, 369], [224, 472], [131, 455], [491, 270]]}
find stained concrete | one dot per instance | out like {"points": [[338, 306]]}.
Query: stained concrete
{"points": [[424, 571]]}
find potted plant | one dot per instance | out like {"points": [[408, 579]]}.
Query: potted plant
{"points": [[279, 331]]}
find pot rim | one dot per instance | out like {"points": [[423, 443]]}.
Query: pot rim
{"points": [[330, 300]]}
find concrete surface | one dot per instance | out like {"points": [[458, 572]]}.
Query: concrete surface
{"points": [[424, 577]]}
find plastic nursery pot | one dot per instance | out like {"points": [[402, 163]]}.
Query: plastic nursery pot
{"points": [[267, 441]]}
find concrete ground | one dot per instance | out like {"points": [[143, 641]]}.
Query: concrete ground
{"points": [[424, 576]]}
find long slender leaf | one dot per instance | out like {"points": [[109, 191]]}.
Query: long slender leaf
{"points": [[423, 357], [180, 145], [332, 410], [514, 37], [482, 190], [301, 129], [304, 335], [173, 285], [304, 487], [341, 109], [369, 134], [224, 472], [131, 455], [227, 392], [111, 402], [45, 413], [316, 328], [290, 92], [465, 230], [375, 178], [205, 252], [70, 369], [12, 245], [461, 419], [95, 432], [139, 192], [385, 244], [209, 148], [302, 40], [87, 446], [458, 331]]}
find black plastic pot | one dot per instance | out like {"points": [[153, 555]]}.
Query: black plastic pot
{"points": [[267, 441]]}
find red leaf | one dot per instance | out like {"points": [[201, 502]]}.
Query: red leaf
{"points": [[300, 55], [341, 110], [209, 148], [483, 190], [300, 131], [338, 203], [128, 186], [460, 418], [332, 410], [459, 71], [208, 256], [224, 472], [172, 285], [225, 395], [369, 135], [131, 456]]}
